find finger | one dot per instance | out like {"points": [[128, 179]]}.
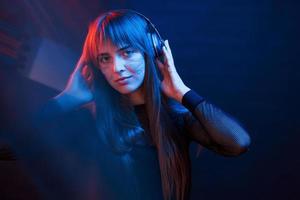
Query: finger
{"points": [[163, 58], [168, 48], [86, 71], [90, 80], [168, 56], [168, 45], [160, 64], [88, 74], [80, 65]]}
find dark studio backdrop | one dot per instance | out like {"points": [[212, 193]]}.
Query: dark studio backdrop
{"points": [[241, 55]]}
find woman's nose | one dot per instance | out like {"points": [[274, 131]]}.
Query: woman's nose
{"points": [[119, 64]]}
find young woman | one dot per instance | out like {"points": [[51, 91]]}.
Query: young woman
{"points": [[145, 115]]}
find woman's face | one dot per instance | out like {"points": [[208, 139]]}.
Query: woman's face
{"points": [[123, 67]]}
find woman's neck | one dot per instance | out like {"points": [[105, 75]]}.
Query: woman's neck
{"points": [[137, 97]]}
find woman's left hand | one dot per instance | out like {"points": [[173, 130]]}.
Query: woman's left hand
{"points": [[172, 85]]}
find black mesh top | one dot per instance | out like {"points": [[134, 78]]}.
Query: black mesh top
{"points": [[68, 161]]}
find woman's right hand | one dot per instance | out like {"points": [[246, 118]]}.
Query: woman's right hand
{"points": [[78, 90]]}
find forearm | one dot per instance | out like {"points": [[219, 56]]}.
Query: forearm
{"points": [[223, 133], [54, 108], [66, 102]]}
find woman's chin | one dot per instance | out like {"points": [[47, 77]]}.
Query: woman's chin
{"points": [[124, 91]]}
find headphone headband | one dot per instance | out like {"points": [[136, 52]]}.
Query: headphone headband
{"points": [[156, 39]]}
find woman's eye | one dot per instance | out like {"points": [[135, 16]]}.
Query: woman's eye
{"points": [[128, 53], [104, 59]]}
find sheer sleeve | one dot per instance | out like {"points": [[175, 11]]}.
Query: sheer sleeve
{"points": [[209, 126], [49, 112]]}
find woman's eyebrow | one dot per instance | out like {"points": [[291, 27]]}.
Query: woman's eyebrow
{"points": [[103, 54], [123, 48], [118, 50]]}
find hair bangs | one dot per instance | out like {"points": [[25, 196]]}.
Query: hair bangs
{"points": [[123, 30], [120, 29]]}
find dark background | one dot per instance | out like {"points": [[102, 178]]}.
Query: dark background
{"points": [[241, 55]]}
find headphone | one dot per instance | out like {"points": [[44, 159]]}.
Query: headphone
{"points": [[156, 39]]}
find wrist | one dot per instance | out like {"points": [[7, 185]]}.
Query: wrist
{"points": [[66, 101], [181, 92], [191, 100]]}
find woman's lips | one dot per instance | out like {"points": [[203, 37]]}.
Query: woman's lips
{"points": [[123, 81]]}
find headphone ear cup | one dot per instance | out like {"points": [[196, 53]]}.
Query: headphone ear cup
{"points": [[157, 46]]}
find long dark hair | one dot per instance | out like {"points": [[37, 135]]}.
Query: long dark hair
{"points": [[116, 119]]}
